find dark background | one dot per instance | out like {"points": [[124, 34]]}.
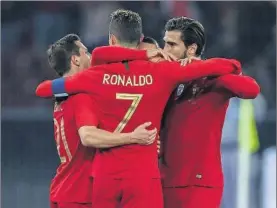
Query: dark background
{"points": [[242, 30]]}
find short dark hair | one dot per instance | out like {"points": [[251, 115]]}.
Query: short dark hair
{"points": [[60, 53], [191, 30], [150, 41], [126, 26]]}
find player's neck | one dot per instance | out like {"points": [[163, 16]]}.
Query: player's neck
{"points": [[70, 73], [128, 45]]}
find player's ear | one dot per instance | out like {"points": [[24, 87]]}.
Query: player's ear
{"points": [[110, 39], [113, 40], [192, 50], [75, 60], [141, 37]]}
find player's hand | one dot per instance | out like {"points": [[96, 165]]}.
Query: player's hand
{"points": [[237, 65], [186, 61], [160, 53], [143, 136]]}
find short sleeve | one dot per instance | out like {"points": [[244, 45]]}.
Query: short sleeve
{"points": [[86, 111]]}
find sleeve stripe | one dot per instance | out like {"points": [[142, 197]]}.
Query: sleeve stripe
{"points": [[58, 87]]}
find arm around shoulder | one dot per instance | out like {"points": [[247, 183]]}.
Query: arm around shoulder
{"points": [[239, 85], [91, 136]]}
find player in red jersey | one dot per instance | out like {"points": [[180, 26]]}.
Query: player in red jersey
{"points": [[193, 122], [129, 93], [200, 104], [182, 184], [192, 160], [72, 185]]}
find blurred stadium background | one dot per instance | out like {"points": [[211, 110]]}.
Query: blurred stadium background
{"points": [[242, 30]]}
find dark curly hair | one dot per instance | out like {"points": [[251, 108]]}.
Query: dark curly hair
{"points": [[191, 30], [60, 53]]}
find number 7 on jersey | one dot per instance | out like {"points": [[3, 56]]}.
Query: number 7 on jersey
{"points": [[136, 98]]}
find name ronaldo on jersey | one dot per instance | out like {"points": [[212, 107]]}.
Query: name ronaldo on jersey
{"points": [[125, 80]]}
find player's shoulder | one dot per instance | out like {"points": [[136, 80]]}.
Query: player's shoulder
{"points": [[146, 64], [217, 92], [128, 66], [139, 64], [94, 69], [82, 101], [80, 97], [166, 64], [72, 104], [69, 102], [111, 67]]}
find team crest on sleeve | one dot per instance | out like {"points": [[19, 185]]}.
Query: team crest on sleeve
{"points": [[180, 90]]}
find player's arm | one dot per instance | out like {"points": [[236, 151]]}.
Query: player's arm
{"points": [[86, 114], [239, 85], [199, 69], [92, 136], [112, 54], [82, 82]]}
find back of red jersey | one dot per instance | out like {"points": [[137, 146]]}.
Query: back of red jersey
{"points": [[129, 95], [72, 182]]}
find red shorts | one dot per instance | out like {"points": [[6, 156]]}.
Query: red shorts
{"points": [[127, 193], [69, 205], [192, 197]]}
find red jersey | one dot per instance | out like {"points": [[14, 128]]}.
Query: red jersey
{"points": [[130, 95], [72, 182], [193, 128]]}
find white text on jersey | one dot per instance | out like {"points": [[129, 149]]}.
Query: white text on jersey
{"points": [[125, 80]]}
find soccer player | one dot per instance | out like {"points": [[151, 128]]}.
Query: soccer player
{"points": [[72, 185], [149, 50], [199, 104], [128, 93], [193, 122], [148, 43]]}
